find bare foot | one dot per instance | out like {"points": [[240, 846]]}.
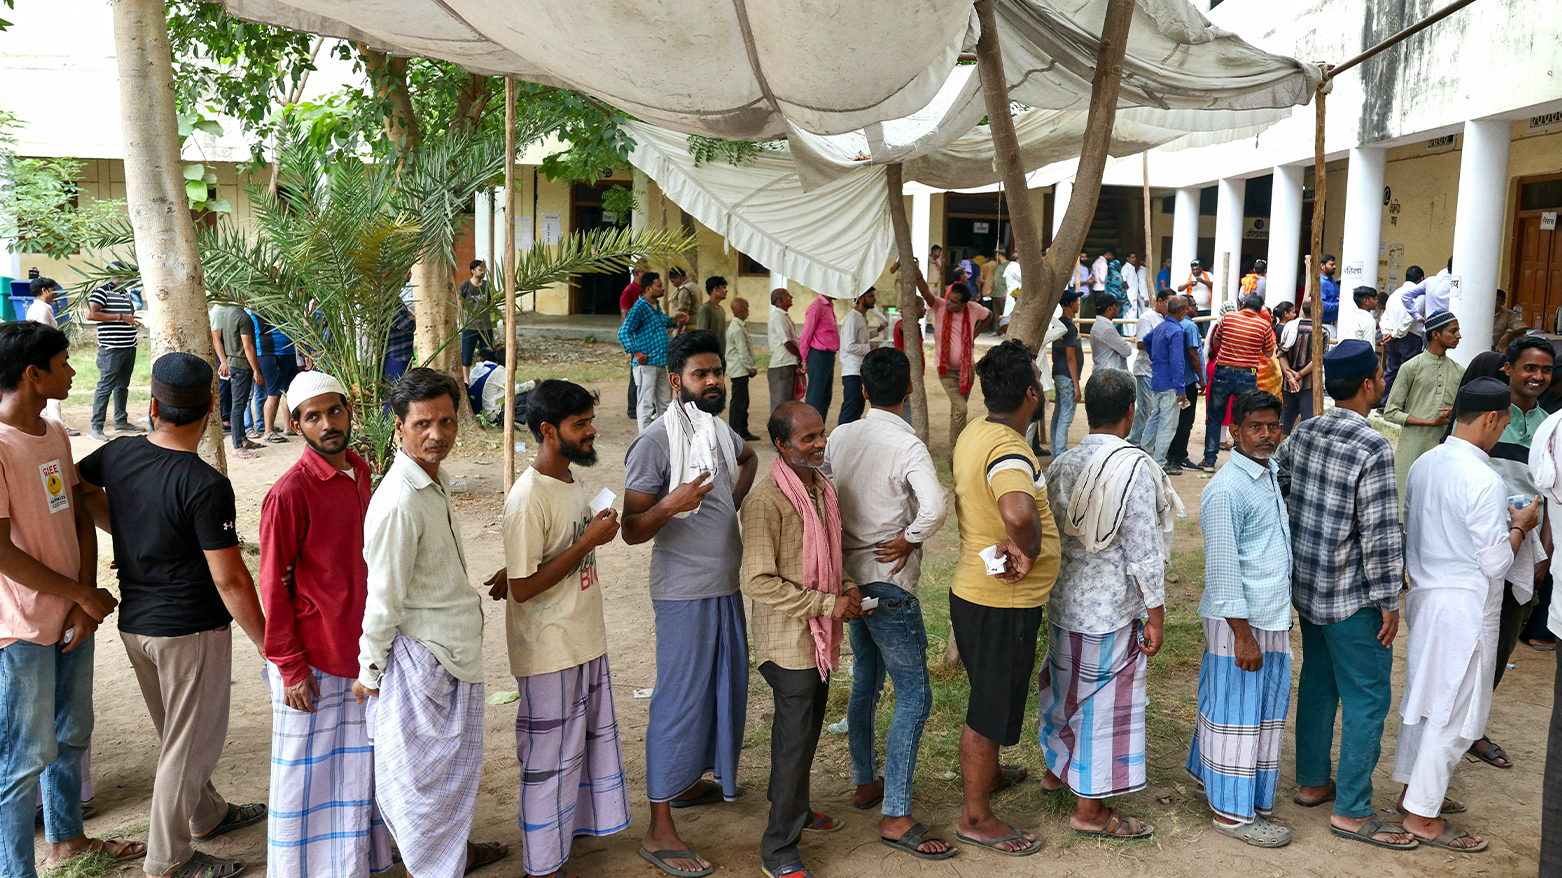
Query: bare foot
{"points": [[1389, 836], [479, 854], [892, 828], [869, 792], [992, 828], [1051, 782]]}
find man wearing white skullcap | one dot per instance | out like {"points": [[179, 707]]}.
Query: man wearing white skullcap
{"points": [[314, 582]]}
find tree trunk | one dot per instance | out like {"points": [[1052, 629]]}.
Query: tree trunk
{"points": [[388, 76], [166, 249], [909, 302], [1045, 277], [438, 312]]}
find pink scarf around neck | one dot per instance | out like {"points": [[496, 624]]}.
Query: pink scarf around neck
{"points": [[821, 557]]}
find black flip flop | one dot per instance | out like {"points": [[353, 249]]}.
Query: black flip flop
{"points": [[992, 844], [914, 838], [489, 852], [659, 860], [1489, 756], [238, 817]]}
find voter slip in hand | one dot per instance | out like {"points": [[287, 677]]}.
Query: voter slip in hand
{"points": [[603, 500], [997, 564], [869, 603]]}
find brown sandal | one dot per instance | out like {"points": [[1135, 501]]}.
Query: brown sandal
{"points": [[1116, 821]]}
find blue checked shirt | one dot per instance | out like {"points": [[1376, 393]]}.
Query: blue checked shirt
{"points": [[1337, 474], [1247, 546], [644, 331]]}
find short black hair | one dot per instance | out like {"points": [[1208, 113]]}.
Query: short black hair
{"points": [[1109, 397], [689, 344], [1518, 346], [39, 284], [780, 424], [1006, 372], [416, 385], [1252, 302], [472, 266], [714, 281], [484, 352], [1502, 295], [962, 289], [1245, 404], [1327, 257], [1341, 389], [554, 400], [649, 278], [886, 373], [1260, 266], [1163, 294], [25, 343], [1414, 274], [1103, 301], [1363, 293], [676, 271]]}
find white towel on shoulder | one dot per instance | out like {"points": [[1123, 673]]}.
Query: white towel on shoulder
{"points": [[695, 442], [1099, 504]]}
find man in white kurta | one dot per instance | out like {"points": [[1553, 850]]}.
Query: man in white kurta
{"points": [[1461, 536]]}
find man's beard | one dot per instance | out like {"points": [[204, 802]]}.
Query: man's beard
{"points": [[577, 454], [320, 448], [705, 404]]}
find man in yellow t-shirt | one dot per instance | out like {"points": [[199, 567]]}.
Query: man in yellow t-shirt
{"points": [[1001, 503]]}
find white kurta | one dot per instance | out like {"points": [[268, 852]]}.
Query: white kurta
{"points": [[1457, 552]]}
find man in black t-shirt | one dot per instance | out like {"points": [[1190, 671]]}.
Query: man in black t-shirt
{"points": [[477, 325], [182, 582]]}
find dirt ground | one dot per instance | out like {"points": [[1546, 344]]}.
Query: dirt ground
{"points": [[1504, 806]]}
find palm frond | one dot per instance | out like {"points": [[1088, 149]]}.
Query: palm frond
{"points": [[599, 250]]}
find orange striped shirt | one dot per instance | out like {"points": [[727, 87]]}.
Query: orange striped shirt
{"points": [[1246, 340]]}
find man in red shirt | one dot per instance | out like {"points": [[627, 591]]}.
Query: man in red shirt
{"points": [[1244, 341], [313, 584]]}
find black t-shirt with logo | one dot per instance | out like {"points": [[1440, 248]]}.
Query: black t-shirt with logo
{"points": [[167, 508]]}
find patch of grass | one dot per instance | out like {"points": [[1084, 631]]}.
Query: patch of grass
{"points": [[580, 373], [93, 864], [84, 359]]}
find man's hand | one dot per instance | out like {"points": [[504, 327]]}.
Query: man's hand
{"points": [[361, 692], [1293, 381], [498, 585], [1019, 564], [641, 358], [79, 626], [1443, 416], [96, 602], [1389, 629], [1525, 519], [897, 550], [223, 371], [604, 527], [1152, 638], [1249, 657], [687, 497], [682, 318], [1181, 399], [848, 605], [302, 695]]}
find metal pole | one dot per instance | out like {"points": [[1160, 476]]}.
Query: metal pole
{"points": [[510, 255], [1315, 261]]}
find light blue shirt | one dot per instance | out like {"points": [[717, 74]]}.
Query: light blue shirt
{"points": [[1247, 546]]}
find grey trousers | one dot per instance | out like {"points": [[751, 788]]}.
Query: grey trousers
{"points": [[782, 379], [800, 699], [652, 394], [114, 368]]}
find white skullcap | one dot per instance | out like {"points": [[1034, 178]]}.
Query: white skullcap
{"points": [[308, 385]]}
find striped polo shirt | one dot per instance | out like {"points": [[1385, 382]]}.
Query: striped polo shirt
{"points": [[112, 301], [1246, 340]]}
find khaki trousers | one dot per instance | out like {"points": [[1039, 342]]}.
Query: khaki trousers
{"points": [[957, 403], [187, 683]]}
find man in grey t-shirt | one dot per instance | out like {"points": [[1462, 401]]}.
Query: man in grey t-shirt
{"points": [[698, 706]]}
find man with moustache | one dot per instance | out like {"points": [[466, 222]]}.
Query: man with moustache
{"points": [[685, 477], [566, 734], [802, 600], [313, 586], [420, 655]]}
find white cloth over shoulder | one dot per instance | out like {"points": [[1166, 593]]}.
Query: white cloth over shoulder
{"points": [[695, 442], [1545, 463], [1099, 502], [1457, 551]]}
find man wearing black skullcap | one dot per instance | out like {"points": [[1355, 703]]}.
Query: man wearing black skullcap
{"points": [[1422, 398], [182, 583], [1461, 536], [1348, 553]]}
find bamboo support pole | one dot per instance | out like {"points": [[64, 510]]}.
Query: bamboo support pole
{"points": [[509, 283]]}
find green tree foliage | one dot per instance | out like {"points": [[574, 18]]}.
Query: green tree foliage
{"points": [[40, 206]]}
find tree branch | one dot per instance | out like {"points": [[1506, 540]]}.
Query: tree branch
{"points": [[388, 74]]}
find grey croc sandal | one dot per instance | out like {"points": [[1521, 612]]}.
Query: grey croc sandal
{"points": [[1260, 833]]}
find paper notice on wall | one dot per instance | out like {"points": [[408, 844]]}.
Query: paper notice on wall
{"points": [[1353, 275], [979, 228], [552, 228], [1396, 259], [1548, 220], [523, 233], [1455, 286]]}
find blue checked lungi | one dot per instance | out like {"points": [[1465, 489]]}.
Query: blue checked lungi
{"points": [[700, 702], [572, 770], [323, 822], [1092, 710], [427, 731], [1241, 723]]}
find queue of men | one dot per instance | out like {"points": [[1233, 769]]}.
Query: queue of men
{"points": [[372, 634]]}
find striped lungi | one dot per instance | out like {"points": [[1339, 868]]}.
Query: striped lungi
{"points": [[322, 820], [427, 731], [1241, 723], [1092, 710], [572, 771], [700, 702]]}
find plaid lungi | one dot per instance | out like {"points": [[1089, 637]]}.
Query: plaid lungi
{"points": [[1092, 710], [323, 820], [1241, 723], [572, 771], [427, 731]]}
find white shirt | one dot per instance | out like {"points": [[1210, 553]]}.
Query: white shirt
{"points": [[854, 342], [781, 330], [1011, 272], [493, 390], [1098, 274], [1081, 278], [417, 577], [42, 312], [1200, 291], [887, 487], [1147, 323], [1457, 553], [1108, 350], [1360, 325]]}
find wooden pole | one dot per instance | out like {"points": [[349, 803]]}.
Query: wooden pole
{"points": [[909, 302], [1315, 260], [1149, 246], [510, 275]]}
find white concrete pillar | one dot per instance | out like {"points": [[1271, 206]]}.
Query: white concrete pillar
{"points": [[1483, 191], [1185, 234], [1285, 235], [482, 232], [1231, 193], [1363, 226], [777, 280], [1062, 193]]}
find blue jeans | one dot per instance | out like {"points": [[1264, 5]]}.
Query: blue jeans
{"points": [[44, 730], [1228, 382], [1344, 665], [894, 641], [1062, 413]]}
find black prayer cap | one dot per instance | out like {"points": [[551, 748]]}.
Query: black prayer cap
{"points": [[1484, 395]]}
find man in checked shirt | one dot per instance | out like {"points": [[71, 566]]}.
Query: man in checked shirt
{"points": [[1337, 474]]}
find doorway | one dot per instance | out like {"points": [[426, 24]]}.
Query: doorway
{"points": [[595, 293], [1536, 278]]}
